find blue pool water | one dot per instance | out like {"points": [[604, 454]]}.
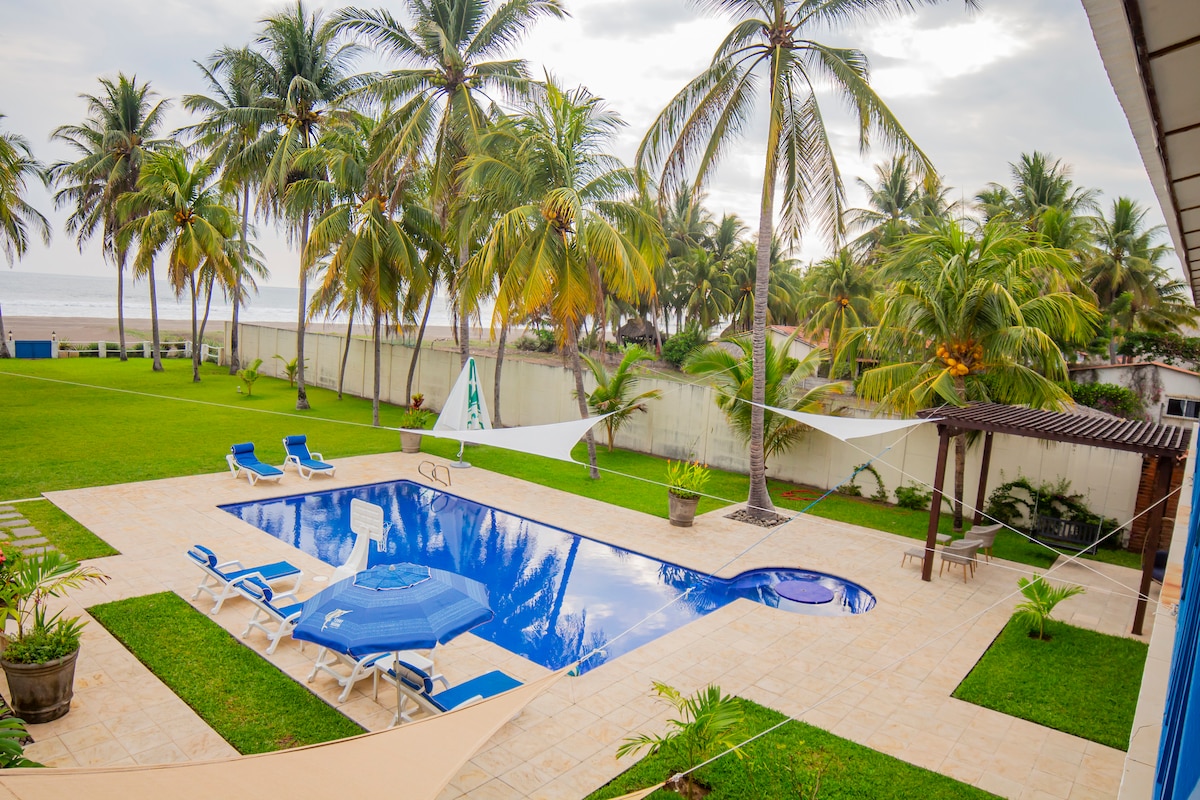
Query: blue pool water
{"points": [[556, 595]]}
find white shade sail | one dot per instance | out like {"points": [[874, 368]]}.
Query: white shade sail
{"points": [[552, 441], [845, 428], [465, 408]]}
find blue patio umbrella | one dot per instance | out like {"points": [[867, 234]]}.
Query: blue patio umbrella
{"points": [[393, 607]]}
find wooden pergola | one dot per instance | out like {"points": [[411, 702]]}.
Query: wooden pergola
{"points": [[1167, 443]]}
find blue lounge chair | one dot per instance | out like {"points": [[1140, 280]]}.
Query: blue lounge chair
{"points": [[241, 459], [417, 685], [306, 463], [282, 608], [222, 575]]}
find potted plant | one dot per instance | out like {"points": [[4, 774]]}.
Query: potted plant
{"points": [[39, 657], [685, 480], [414, 417]]}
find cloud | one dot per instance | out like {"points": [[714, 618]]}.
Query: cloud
{"points": [[633, 20]]}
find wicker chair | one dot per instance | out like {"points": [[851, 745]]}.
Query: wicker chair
{"points": [[961, 553]]}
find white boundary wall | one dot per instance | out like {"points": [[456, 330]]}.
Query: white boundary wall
{"points": [[686, 422]]}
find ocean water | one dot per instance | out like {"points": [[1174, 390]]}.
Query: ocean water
{"points": [[31, 294]]}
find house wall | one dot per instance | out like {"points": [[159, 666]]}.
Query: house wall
{"points": [[686, 423], [1153, 383]]}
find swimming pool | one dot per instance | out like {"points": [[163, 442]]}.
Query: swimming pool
{"points": [[556, 595]]}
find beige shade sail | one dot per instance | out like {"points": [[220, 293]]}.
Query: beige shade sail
{"points": [[640, 793], [414, 761]]}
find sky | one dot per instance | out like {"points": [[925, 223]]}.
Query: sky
{"points": [[975, 89]]}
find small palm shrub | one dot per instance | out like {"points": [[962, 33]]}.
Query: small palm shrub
{"points": [[1040, 600], [250, 374], [704, 729]]}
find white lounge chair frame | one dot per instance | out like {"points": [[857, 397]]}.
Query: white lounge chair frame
{"points": [[225, 585], [366, 667]]}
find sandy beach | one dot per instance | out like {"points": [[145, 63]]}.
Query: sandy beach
{"points": [[97, 329]]}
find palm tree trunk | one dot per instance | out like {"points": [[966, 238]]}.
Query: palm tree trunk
{"points": [[464, 318], [375, 391], [234, 355], [581, 396], [301, 394], [195, 330], [960, 469], [204, 320], [154, 338], [412, 364], [759, 502], [121, 306], [3, 341], [496, 421], [345, 353], [657, 333]]}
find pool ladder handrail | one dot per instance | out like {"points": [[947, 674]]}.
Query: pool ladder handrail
{"points": [[432, 474]]}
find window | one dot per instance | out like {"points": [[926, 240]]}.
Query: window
{"points": [[1178, 407]]}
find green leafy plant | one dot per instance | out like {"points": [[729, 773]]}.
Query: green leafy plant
{"points": [[686, 479], [1108, 397], [1020, 499], [676, 349], [12, 744], [290, 368], [612, 392], [415, 418], [537, 341], [851, 486], [1040, 600], [705, 727], [250, 374], [27, 586], [913, 497]]}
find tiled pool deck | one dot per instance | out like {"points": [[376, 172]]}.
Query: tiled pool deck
{"points": [[883, 679]]}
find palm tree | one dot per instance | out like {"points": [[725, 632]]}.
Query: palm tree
{"points": [[1040, 183], [235, 116], [447, 53], [179, 209], [1122, 265], [110, 144], [17, 216], [837, 298], [707, 287], [968, 315], [611, 394], [768, 44], [783, 287], [370, 256], [732, 375], [303, 72], [897, 203], [576, 235]]}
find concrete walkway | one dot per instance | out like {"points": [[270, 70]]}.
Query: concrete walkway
{"points": [[882, 679]]}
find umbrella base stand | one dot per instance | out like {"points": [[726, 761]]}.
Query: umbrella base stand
{"points": [[461, 464]]}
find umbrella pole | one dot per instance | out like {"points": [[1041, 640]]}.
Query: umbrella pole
{"points": [[399, 695], [461, 464]]}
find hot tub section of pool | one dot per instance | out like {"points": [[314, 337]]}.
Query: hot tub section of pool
{"points": [[557, 596]]}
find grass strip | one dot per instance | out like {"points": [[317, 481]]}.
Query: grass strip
{"points": [[1080, 682], [797, 760], [242, 696], [61, 530]]}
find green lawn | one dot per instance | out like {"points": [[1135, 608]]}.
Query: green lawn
{"points": [[133, 437], [1080, 682], [243, 697], [64, 436], [799, 761], [62, 531]]}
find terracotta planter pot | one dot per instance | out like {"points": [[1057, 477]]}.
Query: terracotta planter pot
{"points": [[682, 510], [410, 442], [41, 692]]}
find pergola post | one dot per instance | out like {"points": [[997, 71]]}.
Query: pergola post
{"points": [[1162, 487], [981, 496], [935, 507]]}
